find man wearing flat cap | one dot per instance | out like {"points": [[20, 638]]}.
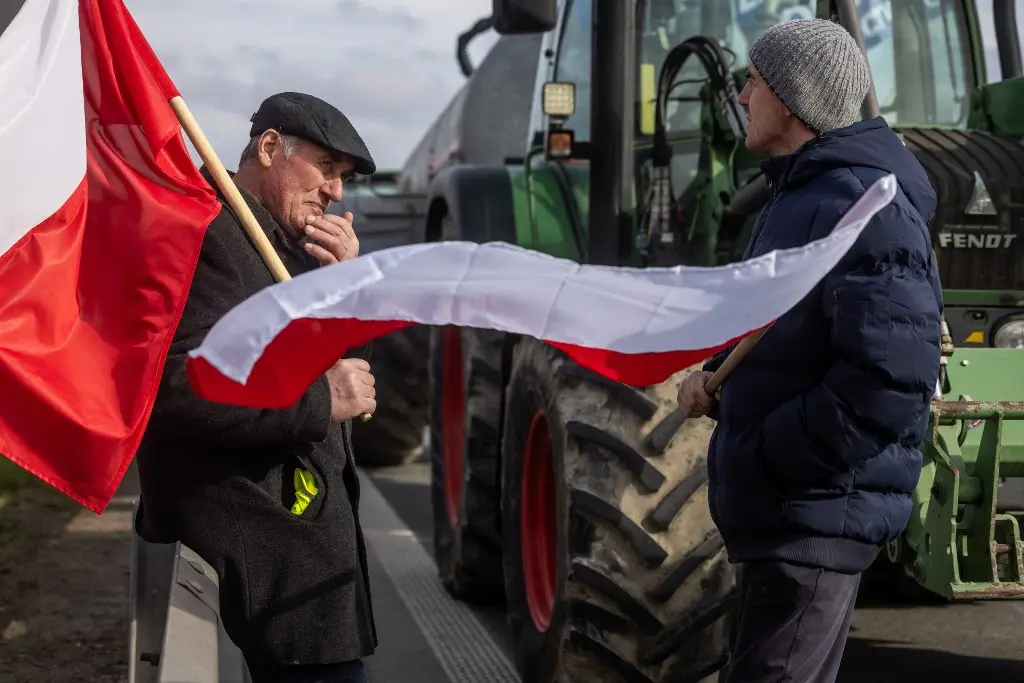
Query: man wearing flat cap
{"points": [[270, 497]]}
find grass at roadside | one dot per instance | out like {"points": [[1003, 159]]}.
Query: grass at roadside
{"points": [[14, 478], [18, 487]]}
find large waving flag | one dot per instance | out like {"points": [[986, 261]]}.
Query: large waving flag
{"points": [[635, 326], [102, 218]]}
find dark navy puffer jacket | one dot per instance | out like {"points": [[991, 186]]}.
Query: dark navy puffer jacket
{"points": [[816, 450]]}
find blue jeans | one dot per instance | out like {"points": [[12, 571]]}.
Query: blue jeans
{"points": [[344, 672]]}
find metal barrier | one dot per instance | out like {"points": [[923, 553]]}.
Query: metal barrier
{"points": [[176, 635]]}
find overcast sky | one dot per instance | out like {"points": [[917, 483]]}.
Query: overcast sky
{"points": [[389, 65]]}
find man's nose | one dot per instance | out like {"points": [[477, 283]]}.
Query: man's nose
{"points": [[744, 98], [333, 189]]}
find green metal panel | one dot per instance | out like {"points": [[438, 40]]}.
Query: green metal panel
{"points": [[958, 544], [990, 375], [983, 297], [542, 217], [996, 108]]}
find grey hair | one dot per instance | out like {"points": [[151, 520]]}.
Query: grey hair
{"points": [[288, 145]]}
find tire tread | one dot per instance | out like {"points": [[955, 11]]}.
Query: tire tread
{"points": [[648, 591]]}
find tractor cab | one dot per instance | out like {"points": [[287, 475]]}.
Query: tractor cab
{"points": [[678, 184]]}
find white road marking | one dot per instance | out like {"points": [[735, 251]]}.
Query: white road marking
{"points": [[463, 646]]}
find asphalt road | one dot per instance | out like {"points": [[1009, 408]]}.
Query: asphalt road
{"points": [[437, 640]]}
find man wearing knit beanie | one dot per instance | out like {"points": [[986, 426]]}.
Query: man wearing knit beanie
{"points": [[817, 447], [807, 78]]}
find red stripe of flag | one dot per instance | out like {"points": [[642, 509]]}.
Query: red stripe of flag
{"points": [[89, 298]]}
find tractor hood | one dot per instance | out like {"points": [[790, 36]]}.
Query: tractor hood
{"points": [[968, 185], [977, 227]]}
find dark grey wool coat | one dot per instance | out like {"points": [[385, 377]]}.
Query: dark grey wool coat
{"points": [[218, 478]]}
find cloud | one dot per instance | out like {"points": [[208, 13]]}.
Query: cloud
{"points": [[388, 64]]}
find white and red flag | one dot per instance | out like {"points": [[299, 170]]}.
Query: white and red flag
{"points": [[101, 220], [635, 326]]}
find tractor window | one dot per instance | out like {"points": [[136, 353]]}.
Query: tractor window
{"points": [[919, 59], [917, 49], [573, 64], [735, 23], [950, 60]]}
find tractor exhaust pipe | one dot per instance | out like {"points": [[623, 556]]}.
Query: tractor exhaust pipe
{"points": [[1007, 39]]}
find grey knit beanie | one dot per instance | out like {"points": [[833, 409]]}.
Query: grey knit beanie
{"points": [[816, 68]]}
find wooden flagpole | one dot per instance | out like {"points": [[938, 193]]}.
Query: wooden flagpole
{"points": [[732, 360], [230, 191]]}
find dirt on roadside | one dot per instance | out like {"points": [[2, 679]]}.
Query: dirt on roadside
{"points": [[63, 588]]}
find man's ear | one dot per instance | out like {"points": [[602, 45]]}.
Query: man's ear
{"points": [[269, 142]]}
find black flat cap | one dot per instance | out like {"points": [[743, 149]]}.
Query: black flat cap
{"points": [[310, 118]]}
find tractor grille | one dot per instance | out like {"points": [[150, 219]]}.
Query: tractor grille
{"points": [[974, 251]]}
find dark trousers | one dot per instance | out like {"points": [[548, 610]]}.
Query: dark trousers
{"points": [[345, 672], [791, 624]]}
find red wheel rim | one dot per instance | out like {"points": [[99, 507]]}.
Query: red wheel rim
{"points": [[537, 522], [452, 415]]}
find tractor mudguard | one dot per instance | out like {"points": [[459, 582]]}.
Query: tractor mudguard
{"points": [[478, 200]]}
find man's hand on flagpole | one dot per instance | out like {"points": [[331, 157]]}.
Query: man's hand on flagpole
{"points": [[692, 396], [333, 238], [352, 390]]}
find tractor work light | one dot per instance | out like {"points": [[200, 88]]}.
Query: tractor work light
{"points": [[1010, 335], [559, 100], [560, 144]]}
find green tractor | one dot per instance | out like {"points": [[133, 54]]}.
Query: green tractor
{"points": [[614, 137]]}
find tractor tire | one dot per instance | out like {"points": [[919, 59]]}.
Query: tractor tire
{"points": [[614, 570], [399, 365], [398, 361], [465, 407]]}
